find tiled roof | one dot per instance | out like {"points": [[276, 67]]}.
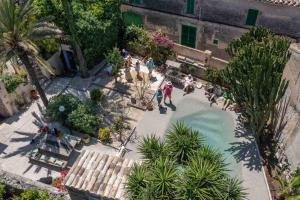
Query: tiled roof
{"points": [[99, 174], [294, 3]]}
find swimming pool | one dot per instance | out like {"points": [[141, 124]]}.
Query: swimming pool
{"points": [[216, 126]]}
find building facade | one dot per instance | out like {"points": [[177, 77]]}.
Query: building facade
{"points": [[212, 24]]}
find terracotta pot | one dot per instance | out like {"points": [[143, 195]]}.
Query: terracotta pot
{"points": [[33, 94], [86, 139]]}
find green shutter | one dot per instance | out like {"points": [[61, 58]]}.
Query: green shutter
{"points": [[135, 1], [188, 36], [251, 17], [190, 7], [132, 18]]}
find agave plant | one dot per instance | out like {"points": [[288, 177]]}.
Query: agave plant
{"points": [[151, 148], [18, 30], [182, 141]]}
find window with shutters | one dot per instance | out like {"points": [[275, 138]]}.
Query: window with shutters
{"points": [[135, 1], [190, 7], [251, 17], [132, 18], [188, 36]]}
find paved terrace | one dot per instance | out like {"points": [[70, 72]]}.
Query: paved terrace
{"points": [[245, 151], [17, 132]]}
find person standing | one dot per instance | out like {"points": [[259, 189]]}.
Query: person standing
{"points": [[137, 68], [168, 88], [159, 96], [150, 65]]}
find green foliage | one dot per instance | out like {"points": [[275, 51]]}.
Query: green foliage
{"points": [[214, 76], [77, 114], [182, 141], [290, 189], [2, 191], [201, 175], [255, 76], [104, 134], [115, 58], [84, 119], [47, 47], [96, 95], [156, 45], [96, 23], [12, 81], [70, 102], [151, 148]]}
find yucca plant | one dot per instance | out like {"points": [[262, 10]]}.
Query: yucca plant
{"points": [[234, 191], [163, 178], [181, 141], [137, 184], [18, 30], [151, 148], [202, 180], [209, 154]]}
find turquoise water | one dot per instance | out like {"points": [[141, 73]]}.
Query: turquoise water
{"points": [[216, 126]]}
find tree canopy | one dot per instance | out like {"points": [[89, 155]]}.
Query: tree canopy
{"points": [[96, 23]]}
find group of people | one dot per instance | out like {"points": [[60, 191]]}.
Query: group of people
{"points": [[137, 66], [215, 92]]}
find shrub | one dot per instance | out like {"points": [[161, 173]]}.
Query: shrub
{"points": [[2, 191], [214, 76], [115, 59], [70, 102], [156, 45], [84, 119], [11, 82], [96, 95], [104, 134]]}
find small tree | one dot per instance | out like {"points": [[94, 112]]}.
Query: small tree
{"points": [[116, 60]]}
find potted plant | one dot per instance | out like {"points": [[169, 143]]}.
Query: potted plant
{"points": [[33, 94], [104, 134], [149, 106], [86, 139]]}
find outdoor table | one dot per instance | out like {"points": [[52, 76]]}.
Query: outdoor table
{"points": [[57, 147]]}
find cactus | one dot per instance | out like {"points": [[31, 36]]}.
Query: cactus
{"points": [[255, 75]]}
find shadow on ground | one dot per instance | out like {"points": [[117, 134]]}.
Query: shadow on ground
{"points": [[246, 150]]}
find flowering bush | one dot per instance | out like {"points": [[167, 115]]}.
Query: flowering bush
{"points": [[157, 45]]}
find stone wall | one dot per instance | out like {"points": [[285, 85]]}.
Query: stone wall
{"points": [[292, 73], [280, 19], [20, 183], [206, 32], [291, 132]]}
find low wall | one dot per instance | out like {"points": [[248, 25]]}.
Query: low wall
{"points": [[218, 63], [20, 183], [189, 52]]}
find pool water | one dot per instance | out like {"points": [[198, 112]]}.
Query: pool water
{"points": [[216, 126]]}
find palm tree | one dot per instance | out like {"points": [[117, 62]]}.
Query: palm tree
{"points": [[18, 30], [74, 40]]}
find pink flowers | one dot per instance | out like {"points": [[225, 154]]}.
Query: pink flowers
{"points": [[162, 40]]}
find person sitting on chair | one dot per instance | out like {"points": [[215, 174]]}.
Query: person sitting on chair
{"points": [[188, 84]]}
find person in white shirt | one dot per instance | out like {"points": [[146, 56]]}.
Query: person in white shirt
{"points": [[188, 84]]}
